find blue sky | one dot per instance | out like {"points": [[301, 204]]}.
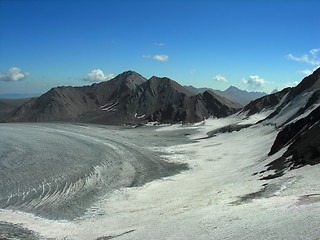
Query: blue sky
{"points": [[254, 45]]}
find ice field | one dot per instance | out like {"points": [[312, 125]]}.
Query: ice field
{"points": [[152, 195]]}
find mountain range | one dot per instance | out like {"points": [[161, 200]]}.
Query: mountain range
{"points": [[234, 94], [129, 98]]}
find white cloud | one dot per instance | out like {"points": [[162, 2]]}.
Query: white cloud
{"points": [[291, 84], [254, 82], [161, 58], [314, 51], [97, 75], [312, 58], [13, 75], [220, 78], [305, 72]]}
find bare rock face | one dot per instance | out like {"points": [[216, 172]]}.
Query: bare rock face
{"points": [[303, 140], [296, 113], [7, 105], [195, 109], [57, 104], [289, 103], [265, 102], [129, 98]]}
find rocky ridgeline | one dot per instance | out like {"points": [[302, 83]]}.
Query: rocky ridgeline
{"points": [[129, 98], [295, 112]]}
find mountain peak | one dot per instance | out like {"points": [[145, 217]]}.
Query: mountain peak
{"points": [[153, 78], [233, 89], [310, 82], [233, 93], [129, 98], [165, 82], [128, 74], [129, 77]]}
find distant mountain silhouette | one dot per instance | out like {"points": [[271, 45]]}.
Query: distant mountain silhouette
{"points": [[234, 94], [274, 91], [195, 90], [129, 98]]}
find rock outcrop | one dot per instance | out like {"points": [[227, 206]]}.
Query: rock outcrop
{"points": [[295, 112]]}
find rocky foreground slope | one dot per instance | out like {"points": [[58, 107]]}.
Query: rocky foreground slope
{"points": [[129, 98], [296, 113]]}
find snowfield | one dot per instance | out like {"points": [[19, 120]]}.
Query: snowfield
{"points": [[220, 197]]}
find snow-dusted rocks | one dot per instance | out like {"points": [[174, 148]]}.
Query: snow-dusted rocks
{"points": [[296, 114]]}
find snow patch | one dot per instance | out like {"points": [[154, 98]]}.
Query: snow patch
{"points": [[306, 113], [109, 107], [141, 116], [288, 111]]}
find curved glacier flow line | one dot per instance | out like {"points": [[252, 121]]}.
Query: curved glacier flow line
{"points": [[65, 168]]}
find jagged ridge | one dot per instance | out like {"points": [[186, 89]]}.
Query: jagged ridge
{"points": [[296, 113], [129, 98]]}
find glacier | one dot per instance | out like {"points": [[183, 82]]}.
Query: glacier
{"points": [[220, 195]]}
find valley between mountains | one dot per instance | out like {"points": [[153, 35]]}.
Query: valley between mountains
{"points": [[252, 172]]}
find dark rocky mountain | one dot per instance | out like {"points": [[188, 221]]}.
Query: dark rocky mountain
{"points": [[5, 108], [290, 103], [7, 105], [195, 108], [234, 94], [128, 98], [265, 103], [296, 113], [303, 140], [240, 96], [70, 103], [57, 104]]}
